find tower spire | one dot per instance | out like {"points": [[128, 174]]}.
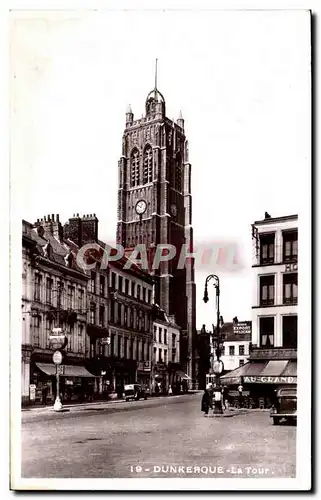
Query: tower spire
{"points": [[156, 74]]}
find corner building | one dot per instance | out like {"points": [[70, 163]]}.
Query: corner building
{"points": [[155, 207]]}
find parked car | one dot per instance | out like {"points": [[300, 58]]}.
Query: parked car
{"points": [[134, 391], [285, 406]]}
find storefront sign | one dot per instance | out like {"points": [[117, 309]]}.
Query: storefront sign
{"points": [[32, 392], [243, 328], [57, 358], [146, 366], [269, 380], [60, 369], [105, 341], [291, 268]]}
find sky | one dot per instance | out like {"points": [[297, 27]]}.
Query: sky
{"points": [[242, 81]]}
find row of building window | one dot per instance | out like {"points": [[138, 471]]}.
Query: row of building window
{"points": [[289, 248], [289, 331], [42, 327], [129, 348], [290, 289], [59, 295], [128, 287], [161, 356], [231, 350], [129, 317], [160, 336]]}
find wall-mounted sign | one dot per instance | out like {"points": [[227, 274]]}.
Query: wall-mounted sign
{"points": [[269, 380], [105, 341], [32, 392], [242, 328], [291, 268], [60, 369], [146, 366], [57, 358]]}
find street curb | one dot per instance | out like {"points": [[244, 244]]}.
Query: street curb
{"points": [[75, 412], [83, 406]]}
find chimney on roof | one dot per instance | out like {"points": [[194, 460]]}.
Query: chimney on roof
{"points": [[50, 226]]}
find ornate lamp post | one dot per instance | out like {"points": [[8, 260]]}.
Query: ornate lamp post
{"points": [[217, 365]]}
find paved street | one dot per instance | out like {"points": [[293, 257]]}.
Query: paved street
{"points": [[155, 438]]}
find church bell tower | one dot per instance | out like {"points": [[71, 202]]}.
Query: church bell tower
{"points": [[155, 207]]}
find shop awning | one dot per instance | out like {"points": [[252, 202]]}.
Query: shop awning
{"points": [[235, 376], [65, 370], [268, 372], [183, 375]]}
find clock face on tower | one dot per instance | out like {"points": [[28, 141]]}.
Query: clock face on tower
{"points": [[141, 207], [174, 209]]}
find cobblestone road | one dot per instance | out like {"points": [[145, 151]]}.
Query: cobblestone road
{"points": [[156, 439]]}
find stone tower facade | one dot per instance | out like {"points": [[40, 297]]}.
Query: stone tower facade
{"points": [[155, 207]]}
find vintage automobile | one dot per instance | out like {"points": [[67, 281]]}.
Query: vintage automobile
{"points": [[285, 406], [134, 391]]}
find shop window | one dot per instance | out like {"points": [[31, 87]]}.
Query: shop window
{"points": [[290, 331], [241, 350], [112, 311], [290, 288], [38, 286], [113, 281], [101, 316], [267, 248], [266, 290], [92, 313], [112, 344], [81, 299], [118, 313], [92, 282], [49, 284], [290, 246], [102, 285], [125, 316], [131, 352], [119, 346], [231, 350], [267, 332], [125, 347]]}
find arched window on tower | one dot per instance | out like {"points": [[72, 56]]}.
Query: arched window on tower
{"points": [[148, 165], [178, 172], [134, 168]]}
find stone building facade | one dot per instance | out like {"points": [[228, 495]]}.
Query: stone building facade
{"points": [[155, 207]]}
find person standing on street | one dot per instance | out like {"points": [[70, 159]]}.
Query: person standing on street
{"points": [[206, 402], [44, 394], [240, 389]]}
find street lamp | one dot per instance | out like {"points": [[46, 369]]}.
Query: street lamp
{"points": [[217, 365]]}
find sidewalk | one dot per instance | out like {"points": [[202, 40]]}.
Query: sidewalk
{"points": [[95, 404]]}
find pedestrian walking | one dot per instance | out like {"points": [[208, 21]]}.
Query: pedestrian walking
{"points": [[170, 390], [206, 402], [225, 396], [240, 389], [44, 394]]}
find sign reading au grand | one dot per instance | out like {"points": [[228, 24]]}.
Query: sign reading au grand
{"points": [[269, 380]]}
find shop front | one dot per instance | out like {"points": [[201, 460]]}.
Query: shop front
{"points": [[144, 374], [178, 379], [76, 383], [160, 379], [259, 381]]}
